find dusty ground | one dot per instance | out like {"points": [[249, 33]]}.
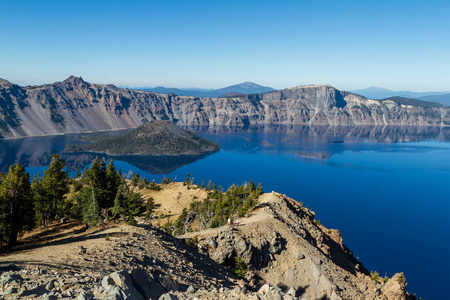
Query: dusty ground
{"points": [[172, 198], [60, 243]]}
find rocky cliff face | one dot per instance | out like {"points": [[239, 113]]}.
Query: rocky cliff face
{"points": [[281, 243], [279, 249], [78, 106]]}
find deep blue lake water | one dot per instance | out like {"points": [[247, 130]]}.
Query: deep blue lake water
{"points": [[386, 189]]}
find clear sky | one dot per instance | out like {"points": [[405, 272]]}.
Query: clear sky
{"points": [[400, 45]]}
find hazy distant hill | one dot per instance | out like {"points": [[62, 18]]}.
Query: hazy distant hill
{"points": [[443, 99], [243, 88], [382, 93], [414, 102]]}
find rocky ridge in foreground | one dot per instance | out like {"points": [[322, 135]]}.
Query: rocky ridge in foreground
{"points": [[285, 254]]}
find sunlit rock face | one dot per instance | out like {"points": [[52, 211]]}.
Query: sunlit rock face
{"points": [[75, 105]]}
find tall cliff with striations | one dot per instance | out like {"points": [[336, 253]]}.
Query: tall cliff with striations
{"points": [[75, 105]]}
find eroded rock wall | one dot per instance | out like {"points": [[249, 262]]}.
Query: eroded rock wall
{"points": [[78, 106]]}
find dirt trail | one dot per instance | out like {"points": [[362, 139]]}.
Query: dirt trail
{"points": [[259, 214]]}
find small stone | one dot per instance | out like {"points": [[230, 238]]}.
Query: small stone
{"points": [[278, 295], [51, 284], [49, 297], [10, 291], [236, 291], [107, 281], [292, 292]]}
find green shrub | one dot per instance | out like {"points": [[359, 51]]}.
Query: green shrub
{"points": [[240, 267], [375, 276], [192, 242], [218, 207]]}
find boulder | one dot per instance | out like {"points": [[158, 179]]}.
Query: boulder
{"points": [[107, 281], [168, 296], [123, 280], [264, 289], [35, 292], [212, 243], [146, 285], [9, 267], [11, 279], [116, 293], [394, 289], [171, 285]]}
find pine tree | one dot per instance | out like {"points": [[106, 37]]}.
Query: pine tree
{"points": [[16, 207], [90, 197], [127, 203], [113, 181], [51, 190], [42, 202]]}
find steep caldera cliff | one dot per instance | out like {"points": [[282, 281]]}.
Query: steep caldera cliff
{"points": [[75, 105]]}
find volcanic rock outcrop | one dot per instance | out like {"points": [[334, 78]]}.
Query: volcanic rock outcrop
{"points": [[280, 252], [75, 105]]}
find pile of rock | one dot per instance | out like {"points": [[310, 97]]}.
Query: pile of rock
{"points": [[137, 285], [266, 292], [39, 282]]}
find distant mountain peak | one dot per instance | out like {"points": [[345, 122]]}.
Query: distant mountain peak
{"points": [[245, 88], [74, 80], [4, 82], [249, 84]]}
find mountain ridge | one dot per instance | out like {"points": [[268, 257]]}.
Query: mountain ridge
{"points": [[74, 105], [244, 88], [374, 92]]}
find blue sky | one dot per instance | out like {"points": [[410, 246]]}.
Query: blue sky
{"points": [[401, 45]]}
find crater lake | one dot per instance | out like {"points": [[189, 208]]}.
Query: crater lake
{"points": [[385, 188]]}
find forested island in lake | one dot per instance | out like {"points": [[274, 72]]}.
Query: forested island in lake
{"points": [[152, 138]]}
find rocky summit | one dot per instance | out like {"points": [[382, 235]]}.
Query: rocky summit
{"points": [[278, 251], [75, 105]]}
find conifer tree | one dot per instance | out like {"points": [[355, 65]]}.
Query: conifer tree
{"points": [[16, 207], [113, 181], [49, 192]]}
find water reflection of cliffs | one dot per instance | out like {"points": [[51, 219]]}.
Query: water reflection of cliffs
{"points": [[36, 152], [385, 134], [322, 142], [315, 142]]}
